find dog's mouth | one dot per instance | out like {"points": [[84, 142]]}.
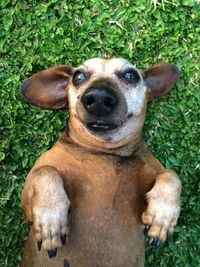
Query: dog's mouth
{"points": [[101, 127]]}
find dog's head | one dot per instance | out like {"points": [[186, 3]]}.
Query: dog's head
{"points": [[107, 98]]}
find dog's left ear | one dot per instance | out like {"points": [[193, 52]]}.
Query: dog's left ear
{"points": [[48, 88], [160, 79]]}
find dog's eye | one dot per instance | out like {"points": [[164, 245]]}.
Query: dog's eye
{"points": [[131, 76], [79, 77]]}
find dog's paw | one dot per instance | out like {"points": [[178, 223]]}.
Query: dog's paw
{"points": [[50, 222], [162, 211]]}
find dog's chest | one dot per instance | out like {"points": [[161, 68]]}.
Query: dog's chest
{"points": [[106, 207], [99, 182]]}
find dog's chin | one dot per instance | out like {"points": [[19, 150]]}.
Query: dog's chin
{"points": [[101, 128]]}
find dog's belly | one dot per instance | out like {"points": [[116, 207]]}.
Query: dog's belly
{"points": [[103, 241], [105, 221]]}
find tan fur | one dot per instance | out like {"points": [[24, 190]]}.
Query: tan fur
{"points": [[103, 179]]}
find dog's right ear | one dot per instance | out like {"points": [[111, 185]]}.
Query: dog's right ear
{"points": [[160, 79], [48, 88]]}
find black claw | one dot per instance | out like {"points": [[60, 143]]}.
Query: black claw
{"points": [[63, 239], [69, 210], [167, 238], [155, 242], [66, 263], [52, 252], [146, 229], [145, 200], [39, 245]]}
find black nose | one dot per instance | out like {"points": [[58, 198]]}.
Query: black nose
{"points": [[99, 101]]}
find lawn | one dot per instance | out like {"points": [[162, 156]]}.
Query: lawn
{"points": [[35, 35]]}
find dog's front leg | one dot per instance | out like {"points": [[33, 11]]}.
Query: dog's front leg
{"points": [[45, 204], [163, 207]]}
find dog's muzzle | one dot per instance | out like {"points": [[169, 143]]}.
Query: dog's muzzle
{"points": [[100, 102]]}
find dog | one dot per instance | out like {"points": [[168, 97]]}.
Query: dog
{"points": [[90, 196]]}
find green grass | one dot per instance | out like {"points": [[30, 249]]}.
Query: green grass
{"points": [[35, 35]]}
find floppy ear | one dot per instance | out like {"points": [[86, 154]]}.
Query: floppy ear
{"points": [[160, 79], [48, 88]]}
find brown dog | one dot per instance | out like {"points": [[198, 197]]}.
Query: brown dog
{"points": [[100, 167]]}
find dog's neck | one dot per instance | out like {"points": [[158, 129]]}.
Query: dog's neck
{"points": [[126, 150]]}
